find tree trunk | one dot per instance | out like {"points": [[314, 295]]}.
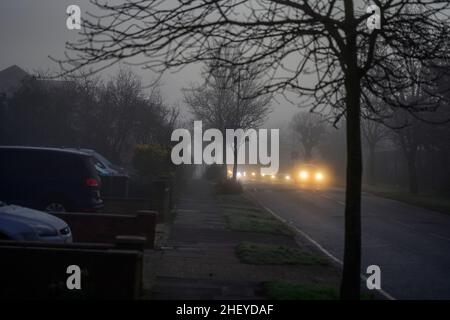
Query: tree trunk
{"points": [[235, 154], [224, 172], [371, 179], [350, 285], [412, 172], [308, 153]]}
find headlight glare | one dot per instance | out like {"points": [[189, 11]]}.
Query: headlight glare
{"points": [[304, 175]]}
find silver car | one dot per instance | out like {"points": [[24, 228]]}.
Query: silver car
{"points": [[24, 224]]}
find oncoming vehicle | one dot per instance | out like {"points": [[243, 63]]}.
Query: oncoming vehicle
{"points": [[49, 179], [286, 177], [310, 176], [24, 224]]}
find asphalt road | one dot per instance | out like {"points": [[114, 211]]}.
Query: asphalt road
{"points": [[410, 244]]}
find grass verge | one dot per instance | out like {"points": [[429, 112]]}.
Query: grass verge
{"points": [[279, 290], [263, 254], [234, 200], [248, 223], [242, 215], [426, 201]]}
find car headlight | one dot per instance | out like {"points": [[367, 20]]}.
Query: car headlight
{"points": [[304, 175], [65, 231], [319, 176], [45, 231], [288, 177]]}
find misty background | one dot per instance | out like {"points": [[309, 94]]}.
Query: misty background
{"points": [[33, 30]]}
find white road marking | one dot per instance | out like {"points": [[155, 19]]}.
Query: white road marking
{"points": [[403, 224], [334, 200], [439, 236], [314, 242]]}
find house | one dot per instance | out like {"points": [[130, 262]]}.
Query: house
{"points": [[10, 79]]}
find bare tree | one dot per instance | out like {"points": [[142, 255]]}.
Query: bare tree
{"points": [[290, 38], [229, 97], [119, 102], [407, 135], [155, 121], [374, 133], [310, 128]]}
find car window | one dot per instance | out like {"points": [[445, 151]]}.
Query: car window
{"points": [[102, 159], [89, 165], [98, 164]]}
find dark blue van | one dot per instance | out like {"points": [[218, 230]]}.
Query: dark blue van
{"points": [[50, 179]]}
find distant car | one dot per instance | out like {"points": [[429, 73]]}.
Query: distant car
{"points": [[103, 166], [285, 176], [24, 224], [49, 179], [308, 175]]}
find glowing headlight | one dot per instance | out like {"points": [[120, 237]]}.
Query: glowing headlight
{"points": [[287, 177], [273, 176], [253, 174], [319, 176], [304, 175], [238, 174]]}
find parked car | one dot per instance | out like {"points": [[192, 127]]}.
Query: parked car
{"points": [[115, 179], [104, 166], [49, 179], [24, 224]]}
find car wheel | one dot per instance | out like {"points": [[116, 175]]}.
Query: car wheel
{"points": [[55, 207]]}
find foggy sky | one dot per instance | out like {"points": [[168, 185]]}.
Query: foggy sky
{"points": [[32, 30]]}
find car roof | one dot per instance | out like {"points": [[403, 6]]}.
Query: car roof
{"points": [[69, 151], [79, 149]]}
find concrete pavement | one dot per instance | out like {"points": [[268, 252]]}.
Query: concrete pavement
{"points": [[198, 260]]}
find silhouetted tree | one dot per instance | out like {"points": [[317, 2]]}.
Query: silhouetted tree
{"points": [[407, 136], [289, 38], [374, 134], [310, 128], [229, 98], [83, 111]]}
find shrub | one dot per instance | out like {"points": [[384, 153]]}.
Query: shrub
{"points": [[214, 172], [152, 160]]}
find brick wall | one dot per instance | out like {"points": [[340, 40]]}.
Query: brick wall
{"points": [[104, 228]]}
